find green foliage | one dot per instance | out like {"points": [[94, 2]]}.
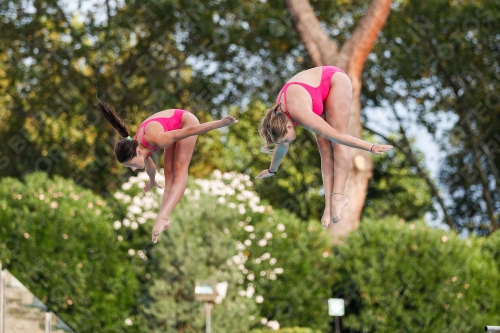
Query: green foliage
{"points": [[290, 265], [277, 267], [400, 277], [198, 246], [56, 238], [396, 189], [286, 330], [444, 70]]}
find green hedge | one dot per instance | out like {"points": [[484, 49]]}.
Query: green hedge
{"points": [[58, 240], [287, 330], [407, 277]]}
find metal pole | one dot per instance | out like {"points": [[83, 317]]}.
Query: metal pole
{"points": [[492, 328], [337, 324], [208, 307], [48, 322], [2, 299]]}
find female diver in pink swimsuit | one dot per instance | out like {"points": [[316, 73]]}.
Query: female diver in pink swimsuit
{"points": [[174, 130], [302, 101]]}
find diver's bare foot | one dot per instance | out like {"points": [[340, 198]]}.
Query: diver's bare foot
{"points": [[151, 184], [339, 201], [161, 224], [325, 220]]}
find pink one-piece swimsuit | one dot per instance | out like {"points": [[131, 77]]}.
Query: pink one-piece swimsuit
{"points": [[169, 124], [318, 94]]}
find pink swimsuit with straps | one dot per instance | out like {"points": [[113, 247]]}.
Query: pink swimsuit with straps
{"points": [[318, 94], [169, 124]]}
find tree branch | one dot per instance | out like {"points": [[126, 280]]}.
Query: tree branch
{"points": [[357, 48], [420, 170], [317, 43]]}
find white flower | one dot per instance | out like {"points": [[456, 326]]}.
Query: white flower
{"points": [[281, 227], [135, 210], [268, 235], [141, 220], [272, 261], [251, 277], [247, 242], [279, 270], [144, 175], [231, 205], [128, 322], [274, 325], [257, 261], [242, 292], [134, 225], [217, 174], [133, 179], [117, 225], [265, 256], [234, 183], [221, 200], [241, 209], [248, 194], [119, 195], [229, 191], [126, 186], [263, 242], [131, 252], [250, 290], [259, 299], [126, 222], [249, 228], [240, 246]]}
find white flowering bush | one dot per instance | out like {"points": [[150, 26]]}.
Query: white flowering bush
{"points": [[277, 266]]}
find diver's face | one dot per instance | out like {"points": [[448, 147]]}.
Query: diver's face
{"points": [[135, 163]]}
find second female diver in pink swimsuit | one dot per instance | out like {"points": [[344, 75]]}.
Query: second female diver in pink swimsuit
{"points": [[175, 131], [319, 99]]}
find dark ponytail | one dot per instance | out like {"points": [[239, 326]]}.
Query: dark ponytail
{"points": [[125, 149]]}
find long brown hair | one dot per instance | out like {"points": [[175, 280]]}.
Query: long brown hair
{"points": [[273, 125], [125, 149]]}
